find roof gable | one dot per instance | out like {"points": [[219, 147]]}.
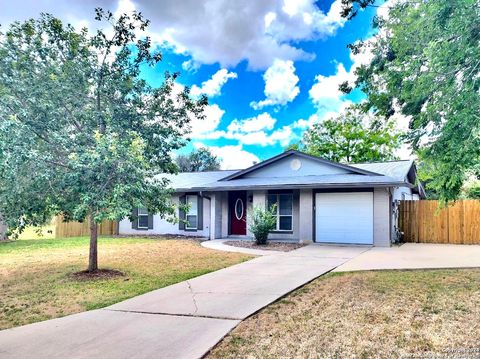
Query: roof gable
{"points": [[294, 164]]}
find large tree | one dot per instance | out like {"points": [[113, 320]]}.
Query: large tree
{"points": [[352, 137], [199, 160], [426, 65], [82, 134]]}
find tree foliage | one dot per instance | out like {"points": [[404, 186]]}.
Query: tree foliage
{"points": [[82, 135], [199, 160], [351, 138], [427, 66]]}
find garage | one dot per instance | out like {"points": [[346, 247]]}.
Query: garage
{"points": [[345, 218]]}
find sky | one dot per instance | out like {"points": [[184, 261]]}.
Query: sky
{"points": [[270, 68]]}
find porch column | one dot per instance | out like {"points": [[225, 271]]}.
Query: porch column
{"points": [[306, 216], [258, 200], [213, 216], [223, 207]]}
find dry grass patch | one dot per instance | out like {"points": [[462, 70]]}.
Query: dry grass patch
{"points": [[391, 314], [37, 280]]}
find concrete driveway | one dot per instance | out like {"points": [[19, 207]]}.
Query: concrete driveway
{"points": [[184, 320], [415, 256]]}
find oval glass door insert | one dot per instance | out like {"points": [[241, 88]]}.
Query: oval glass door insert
{"points": [[239, 208]]}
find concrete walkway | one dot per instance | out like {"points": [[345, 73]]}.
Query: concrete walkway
{"points": [[184, 320], [415, 256]]}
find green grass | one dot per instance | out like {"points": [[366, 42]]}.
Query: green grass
{"points": [[36, 281]]}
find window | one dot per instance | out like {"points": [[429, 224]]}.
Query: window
{"points": [[192, 214], [142, 218], [284, 210]]}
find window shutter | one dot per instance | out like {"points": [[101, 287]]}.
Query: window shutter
{"points": [[150, 221], [181, 213], [200, 213], [135, 218]]}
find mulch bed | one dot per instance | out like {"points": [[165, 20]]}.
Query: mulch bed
{"points": [[270, 246], [99, 274]]}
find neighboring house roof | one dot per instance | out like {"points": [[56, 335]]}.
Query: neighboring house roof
{"points": [[403, 170], [381, 174], [395, 169]]}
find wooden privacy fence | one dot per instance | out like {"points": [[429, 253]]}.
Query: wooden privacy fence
{"points": [[425, 222], [78, 229]]}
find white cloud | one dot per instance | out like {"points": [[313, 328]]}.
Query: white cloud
{"points": [[203, 128], [325, 92], [259, 130], [232, 157], [301, 19], [253, 124], [280, 84], [210, 31], [213, 86], [320, 116]]}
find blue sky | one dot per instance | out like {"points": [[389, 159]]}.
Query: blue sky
{"points": [[270, 68]]}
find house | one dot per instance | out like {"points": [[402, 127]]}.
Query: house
{"points": [[317, 200]]}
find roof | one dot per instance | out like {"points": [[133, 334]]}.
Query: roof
{"points": [[395, 169], [377, 174], [197, 179], [301, 154], [323, 181]]}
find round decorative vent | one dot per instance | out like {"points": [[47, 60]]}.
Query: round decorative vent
{"points": [[295, 164]]}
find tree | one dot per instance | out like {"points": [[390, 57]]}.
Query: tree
{"points": [[198, 160], [82, 135], [351, 138], [426, 66]]}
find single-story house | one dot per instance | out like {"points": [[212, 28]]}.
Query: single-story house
{"points": [[316, 200]]}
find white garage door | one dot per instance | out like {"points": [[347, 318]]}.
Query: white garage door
{"points": [[344, 217]]}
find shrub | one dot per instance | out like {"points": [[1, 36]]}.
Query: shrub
{"points": [[474, 191], [263, 222]]}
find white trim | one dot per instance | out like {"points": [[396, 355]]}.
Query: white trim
{"points": [[235, 209], [192, 211], [278, 215], [145, 214]]}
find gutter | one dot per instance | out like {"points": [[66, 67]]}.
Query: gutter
{"points": [[292, 186]]}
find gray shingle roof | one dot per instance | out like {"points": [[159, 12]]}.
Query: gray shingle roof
{"points": [[197, 179], [344, 180], [394, 169], [387, 174]]}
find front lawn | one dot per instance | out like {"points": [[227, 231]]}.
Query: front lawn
{"points": [[388, 314], [36, 281]]}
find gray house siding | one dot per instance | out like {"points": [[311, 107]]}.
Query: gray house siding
{"points": [[303, 175], [283, 168], [381, 218], [305, 216]]}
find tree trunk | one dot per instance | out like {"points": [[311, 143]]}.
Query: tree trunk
{"points": [[93, 257]]}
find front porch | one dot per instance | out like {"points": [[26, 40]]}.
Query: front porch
{"points": [[231, 213]]}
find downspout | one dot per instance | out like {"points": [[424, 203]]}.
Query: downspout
{"points": [[210, 203]]}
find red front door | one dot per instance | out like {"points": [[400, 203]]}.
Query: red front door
{"points": [[237, 204]]}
